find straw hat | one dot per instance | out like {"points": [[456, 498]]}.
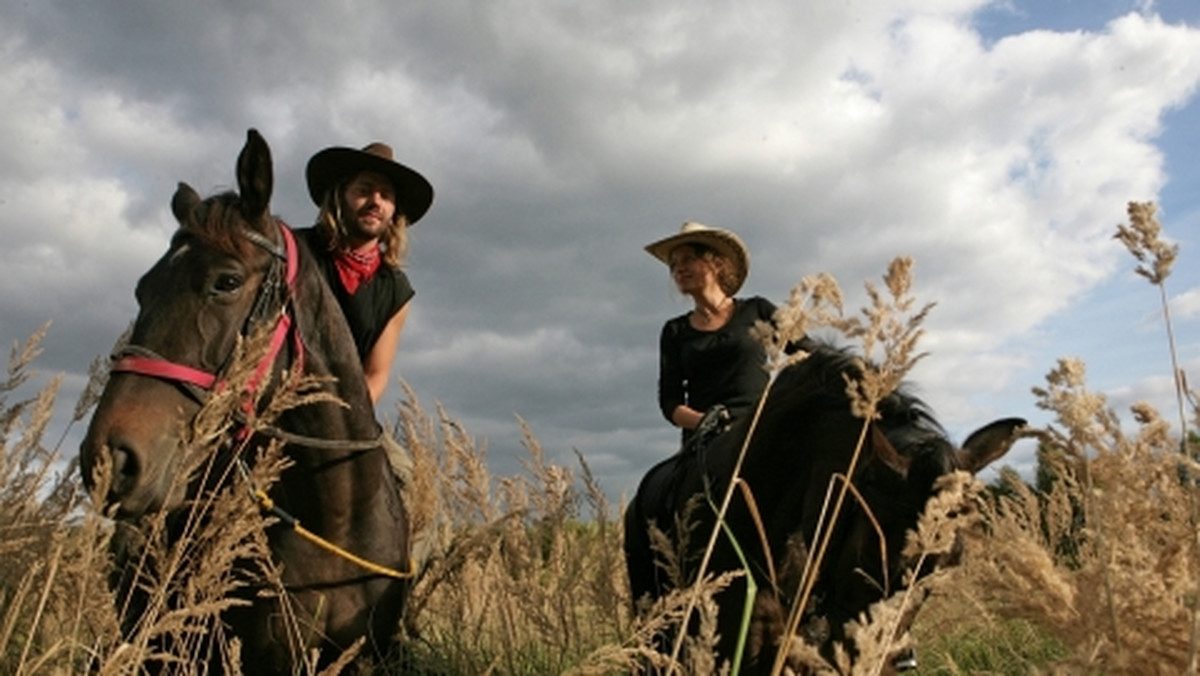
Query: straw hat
{"points": [[414, 194], [723, 241]]}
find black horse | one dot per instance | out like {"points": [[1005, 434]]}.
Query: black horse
{"points": [[806, 434], [233, 270]]}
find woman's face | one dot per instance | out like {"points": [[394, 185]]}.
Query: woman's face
{"points": [[691, 270]]}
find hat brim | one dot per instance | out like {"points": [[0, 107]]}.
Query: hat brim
{"points": [[414, 194], [727, 243]]}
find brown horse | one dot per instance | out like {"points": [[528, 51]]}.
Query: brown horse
{"points": [[805, 436], [233, 270]]}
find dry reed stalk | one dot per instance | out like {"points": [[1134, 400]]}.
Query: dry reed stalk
{"points": [[1143, 237], [50, 583], [515, 575], [888, 326], [1113, 512]]}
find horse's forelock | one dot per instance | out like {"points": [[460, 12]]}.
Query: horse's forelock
{"points": [[218, 223]]}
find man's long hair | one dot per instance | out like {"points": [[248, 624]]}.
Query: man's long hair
{"points": [[393, 243]]}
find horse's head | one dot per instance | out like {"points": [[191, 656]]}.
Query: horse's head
{"points": [[905, 453], [799, 466], [215, 282]]}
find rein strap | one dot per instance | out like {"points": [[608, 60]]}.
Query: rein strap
{"points": [[269, 505]]}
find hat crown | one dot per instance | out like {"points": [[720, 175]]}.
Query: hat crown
{"points": [[693, 226], [330, 166], [379, 149]]}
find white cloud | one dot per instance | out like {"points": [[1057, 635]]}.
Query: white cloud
{"points": [[1186, 305]]}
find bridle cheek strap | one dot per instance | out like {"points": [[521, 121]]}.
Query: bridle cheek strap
{"points": [[284, 326]]}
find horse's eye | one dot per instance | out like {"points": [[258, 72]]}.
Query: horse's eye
{"points": [[227, 283]]}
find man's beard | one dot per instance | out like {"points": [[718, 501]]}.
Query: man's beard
{"points": [[358, 229]]}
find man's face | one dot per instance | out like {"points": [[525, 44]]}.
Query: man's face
{"points": [[370, 206]]}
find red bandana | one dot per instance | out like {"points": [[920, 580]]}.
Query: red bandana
{"points": [[356, 267]]}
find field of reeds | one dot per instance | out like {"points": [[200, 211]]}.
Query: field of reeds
{"points": [[1091, 566]]}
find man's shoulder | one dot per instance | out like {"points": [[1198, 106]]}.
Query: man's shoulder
{"points": [[310, 238], [397, 274], [398, 287]]}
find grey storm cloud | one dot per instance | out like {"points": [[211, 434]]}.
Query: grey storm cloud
{"points": [[561, 138]]}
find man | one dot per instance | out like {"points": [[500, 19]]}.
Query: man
{"points": [[367, 203]]}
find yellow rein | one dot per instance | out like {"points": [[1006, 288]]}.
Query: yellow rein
{"points": [[269, 505]]}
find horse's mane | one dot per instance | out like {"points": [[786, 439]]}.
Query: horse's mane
{"points": [[819, 380], [217, 223]]}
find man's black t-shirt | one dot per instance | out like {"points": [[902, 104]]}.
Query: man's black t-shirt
{"points": [[375, 302]]}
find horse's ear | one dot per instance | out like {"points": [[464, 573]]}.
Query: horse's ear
{"points": [[184, 202], [887, 454], [988, 443], [255, 176]]}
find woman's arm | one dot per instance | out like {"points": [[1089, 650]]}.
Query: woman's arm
{"points": [[686, 417], [671, 397]]}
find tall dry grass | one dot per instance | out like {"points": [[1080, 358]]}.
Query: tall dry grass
{"points": [[1099, 557], [53, 617], [520, 574], [1089, 567]]}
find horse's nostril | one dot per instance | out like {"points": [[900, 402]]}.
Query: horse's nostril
{"points": [[125, 470]]}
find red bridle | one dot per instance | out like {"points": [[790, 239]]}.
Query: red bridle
{"points": [[142, 361]]}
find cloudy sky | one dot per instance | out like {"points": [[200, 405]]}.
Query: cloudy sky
{"points": [[997, 143]]}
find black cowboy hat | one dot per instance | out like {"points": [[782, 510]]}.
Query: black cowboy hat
{"points": [[414, 194]]}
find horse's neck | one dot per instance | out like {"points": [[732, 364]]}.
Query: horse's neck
{"points": [[330, 353], [358, 480]]}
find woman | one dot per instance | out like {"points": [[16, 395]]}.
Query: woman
{"points": [[708, 361]]}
